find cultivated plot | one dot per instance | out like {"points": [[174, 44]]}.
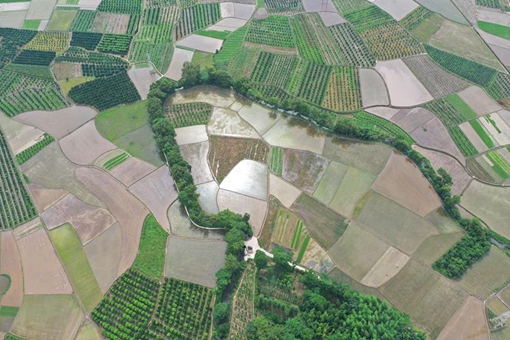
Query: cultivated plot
{"points": [[285, 192], [243, 204], [355, 185], [225, 122], [373, 88], [196, 155], [10, 264], [248, 178], [303, 169], [132, 170], [467, 323]]}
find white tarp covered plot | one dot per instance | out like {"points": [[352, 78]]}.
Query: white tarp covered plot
{"points": [[179, 58], [201, 43], [14, 6]]}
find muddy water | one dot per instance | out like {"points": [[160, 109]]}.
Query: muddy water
{"points": [[180, 225]]}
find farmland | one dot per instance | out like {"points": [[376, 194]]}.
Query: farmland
{"points": [[243, 310], [182, 115], [196, 17]]}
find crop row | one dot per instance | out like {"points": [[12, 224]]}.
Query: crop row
{"points": [[232, 46], [158, 54], [348, 6], [285, 6], [490, 3], [343, 91], [276, 164], [104, 93], [49, 41], [115, 43], [159, 3], [188, 114], [273, 69], [352, 49], [115, 161], [449, 113], [368, 18], [31, 57], [94, 64], [467, 69], [186, 3], [157, 15], [465, 146], [12, 40], [160, 331], [124, 6], [243, 309], [88, 41], [500, 164], [482, 133], [185, 307], [197, 17], [270, 92], [37, 71], [307, 45], [243, 63], [26, 154], [416, 17], [368, 120], [273, 31], [269, 288], [500, 87], [16, 206], [312, 82]]}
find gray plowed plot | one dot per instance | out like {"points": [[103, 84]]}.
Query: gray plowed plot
{"points": [[338, 275], [132, 170], [50, 169], [437, 80], [45, 198], [429, 298], [63, 71], [461, 178], [11, 265], [58, 123], [87, 220], [397, 10], [191, 134], [304, 169], [110, 23], [157, 191], [402, 182], [103, 254], [85, 145], [479, 100], [142, 78], [324, 225], [181, 225], [43, 272], [125, 208], [355, 185], [435, 246], [196, 156], [394, 223], [413, 119], [242, 204], [467, 323], [195, 261], [373, 88], [367, 157], [330, 182], [19, 136]]}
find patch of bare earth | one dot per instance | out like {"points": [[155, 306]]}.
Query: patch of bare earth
{"points": [[467, 323], [304, 169], [43, 197], [125, 208], [11, 265], [132, 170]]}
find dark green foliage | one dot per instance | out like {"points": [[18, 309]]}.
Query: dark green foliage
{"points": [[125, 6], [190, 75], [115, 43], [500, 87], [104, 93], [352, 47], [467, 69], [466, 252], [151, 254], [273, 31], [10, 41], [261, 259], [368, 120], [88, 41], [287, 6], [13, 337], [368, 18], [31, 57], [197, 17], [94, 64], [416, 17], [26, 154]]}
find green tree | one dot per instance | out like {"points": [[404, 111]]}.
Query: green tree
{"points": [[190, 75], [261, 259]]}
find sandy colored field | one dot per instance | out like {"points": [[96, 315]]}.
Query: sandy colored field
{"points": [[11, 265], [89, 221], [434, 135], [395, 224], [435, 246], [479, 100], [496, 305], [467, 323], [412, 119], [338, 275], [191, 134], [157, 191], [285, 192], [20, 136], [259, 117], [226, 122], [63, 71], [88, 332], [489, 204], [373, 88], [196, 261], [206, 94], [324, 225], [12, 19], [196, 156], [383, 112], [243, 204], [50, 169], [403, 182], [367, 157], [330, 182], [316, 258], [181, 225], [429, 298], [207, 196], [397, 10], [487, 274], [125, 208], [42, 270], [85, 145], [56, 317], [463, 40], [110, 23], [41, 9], [179, 57], [385, 268], [103, 254], [248, 178], [58, 123], [303, 169], [403, 86], [101, 160], [357, 252], [473, 137], [45, 198], [27, 228], [132, 170], [355, 184], [295, 134]]}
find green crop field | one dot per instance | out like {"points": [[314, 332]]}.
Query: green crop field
{"points": [[273, 31], [276, 160], [451, 110], [26, 154], [465, 146], [195, 18], [116, 161], [500, 164], [181, 115], [482, 133], [151, 255]]}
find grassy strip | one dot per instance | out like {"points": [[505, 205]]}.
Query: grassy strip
{"points": [[464, 144], [115, 161], [489, 119], [297, 235], [495, 29], [480, 131], [26, 154], [461, 106], [303, 249], [9, 311], [213, 34], [151, 254], [276, 160], [368, 120], [501, 166]]}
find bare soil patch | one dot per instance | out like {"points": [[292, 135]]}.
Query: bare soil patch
{"points": [[125, 208], [43, 197], [20, 136], [285, 192], [304, 169], [226, 122], [43, 272], [63, 71], [191, 134], [316, 258], [435, 246], [403, 182], [87, 220], [373, 88], [132, 170], [110, 23], [226, 152], [467, 323], [157, 191], [11, 265], [196, 155], [479, 100], [85, 145], [385, 268]]}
